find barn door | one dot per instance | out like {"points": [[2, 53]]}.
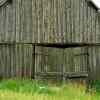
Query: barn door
{"points": [[60, 63], [76, 61], [48, 62]]}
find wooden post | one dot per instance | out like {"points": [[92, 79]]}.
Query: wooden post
{"points": [[88, 70], [33, 69], [64, 78]]}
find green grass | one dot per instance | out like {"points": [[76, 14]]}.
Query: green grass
{"points": [[36, 90]]}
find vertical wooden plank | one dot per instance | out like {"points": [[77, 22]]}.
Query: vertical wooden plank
{"points": [[3, 24], [56, 31], [18, 20], [70, 13], [72, 21], [34, 33], [77, 20]]}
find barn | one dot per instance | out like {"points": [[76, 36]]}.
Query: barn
{"points": [[49, 38]]}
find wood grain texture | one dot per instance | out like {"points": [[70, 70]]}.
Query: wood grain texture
{"points": [[47, 21]]}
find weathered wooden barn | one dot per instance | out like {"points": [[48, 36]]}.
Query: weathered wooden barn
{"points": [[50, 25]]}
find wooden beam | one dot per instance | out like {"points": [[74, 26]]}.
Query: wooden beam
{"points": [[56, 45], [68, 75]]}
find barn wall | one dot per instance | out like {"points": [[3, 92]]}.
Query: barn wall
{"points": [[16, 61], [48, 21]]}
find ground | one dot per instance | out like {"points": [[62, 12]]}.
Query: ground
{"points": [[35, 90]]}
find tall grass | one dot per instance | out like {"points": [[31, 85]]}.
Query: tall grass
{"points": [[36, 90]]}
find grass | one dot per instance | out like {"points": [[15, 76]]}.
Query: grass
{"points": [[36, 90]]}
